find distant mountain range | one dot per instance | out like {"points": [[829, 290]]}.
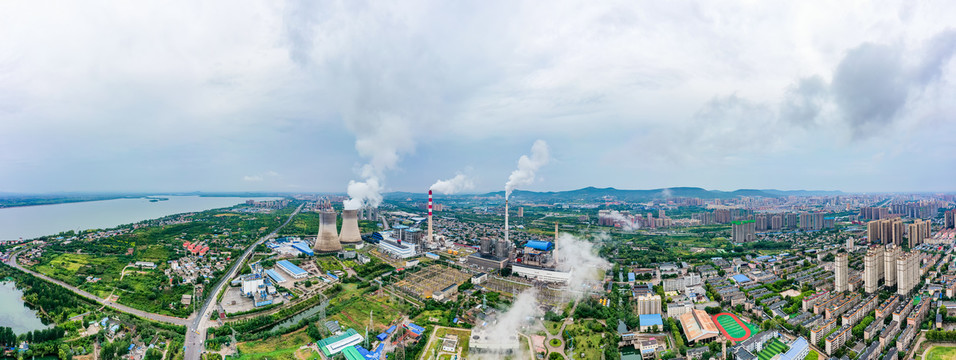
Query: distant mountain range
{"points": [[596, 194]]}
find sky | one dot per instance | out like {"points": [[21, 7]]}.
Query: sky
{"points": [[310, 95]]}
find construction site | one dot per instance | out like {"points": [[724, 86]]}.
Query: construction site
{"points": [[437, 282]]}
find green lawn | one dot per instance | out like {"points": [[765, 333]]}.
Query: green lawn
{"points": [[941, 353], [812, 355], [280, 347], [587, 344], [552, 327], [771, 348], [733, 328]]}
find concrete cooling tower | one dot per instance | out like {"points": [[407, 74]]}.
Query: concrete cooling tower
{"points": [[350, 230], [328, 239]]}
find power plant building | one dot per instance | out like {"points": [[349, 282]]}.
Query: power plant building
{"points": [[396, 248]]}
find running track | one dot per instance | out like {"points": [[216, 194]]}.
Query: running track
{"points": [[724, 331]]}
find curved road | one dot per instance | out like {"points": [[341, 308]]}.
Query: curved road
{"points": [[196, 329], [12, 261]]}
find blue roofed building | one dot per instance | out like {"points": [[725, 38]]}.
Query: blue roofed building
{"points": [[648, 321], [303, 248], [630, 277], [798, 350], [275, 276], [540, 245], [291, 269], [741, 278]]}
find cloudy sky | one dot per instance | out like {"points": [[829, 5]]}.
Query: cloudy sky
{"points": [[306, 96]]}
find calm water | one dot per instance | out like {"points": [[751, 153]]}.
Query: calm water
{"points": [[33, 221], [12, 312]]}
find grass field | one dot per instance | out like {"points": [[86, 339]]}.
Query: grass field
{"points": [[552, 327], [941, 353], [464, 336], [355, 315], [812, 355], [587, 344], [771, 348], [275, 348]]}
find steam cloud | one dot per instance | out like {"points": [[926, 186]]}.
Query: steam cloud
{"points": [[578, 257], [454, 185], [627, 223], [505, 329], [363, 193], [527, 167]]}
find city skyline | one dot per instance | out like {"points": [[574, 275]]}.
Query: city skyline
{"points": [[298, 97]]}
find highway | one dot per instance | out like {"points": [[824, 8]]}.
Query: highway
{"points": [[196, 329]]}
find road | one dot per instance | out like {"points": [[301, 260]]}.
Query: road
{"points": [[196, 329], [12, 261]]}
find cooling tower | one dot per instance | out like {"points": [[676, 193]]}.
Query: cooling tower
{"points": [[327, 240], [350, 230]]}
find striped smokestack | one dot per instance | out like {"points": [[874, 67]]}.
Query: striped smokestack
{"points": [[506, 219], [429, 216]]}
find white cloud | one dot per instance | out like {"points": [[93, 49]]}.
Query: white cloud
{"points": [[311, 88]]}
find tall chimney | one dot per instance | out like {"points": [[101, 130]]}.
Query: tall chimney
{"points": [[350, 230], [429, 239], [506, 220], [328, 239]]}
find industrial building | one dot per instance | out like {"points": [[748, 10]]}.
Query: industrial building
{"points": [[395, 247], [698, 326], [336, 344], [291, 269], [493, 255]]}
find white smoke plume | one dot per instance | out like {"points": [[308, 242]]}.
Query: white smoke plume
{"points": [[454, 185], [528, 166], [577, 256], [667, 193], [628, 223], [520, 317], [366, 193]]}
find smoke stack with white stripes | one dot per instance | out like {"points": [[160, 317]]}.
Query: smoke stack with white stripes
{"points": [[350, 233], [327, 239], [506, 220]]}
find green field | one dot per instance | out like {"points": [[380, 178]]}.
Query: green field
{"points": [[733, 328], [280, 347], [941, 353], [812, 355], [771, 348], [355, 315], [587, 343]]}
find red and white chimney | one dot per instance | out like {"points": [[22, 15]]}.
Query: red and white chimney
{"points": [[429, 239]]}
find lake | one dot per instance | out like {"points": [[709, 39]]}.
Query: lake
{"points": [[12, 312], [33, 221]]}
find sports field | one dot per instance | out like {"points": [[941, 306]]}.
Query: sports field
{"points": [[771, 349], [733, 328]]}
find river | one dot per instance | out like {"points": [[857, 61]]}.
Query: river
{"points": [[33, 221], [13, 313]]}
